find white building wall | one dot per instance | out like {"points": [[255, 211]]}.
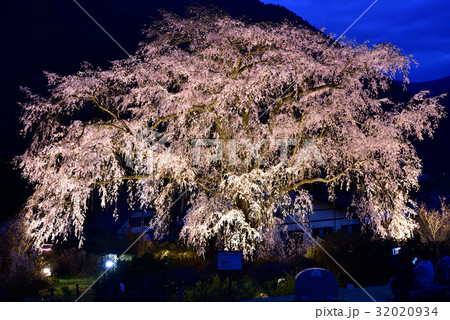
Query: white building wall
{"points": [[323, 216]]}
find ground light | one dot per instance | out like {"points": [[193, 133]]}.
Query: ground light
{"points": [[47, 272], [109, 260], [109, 264]]}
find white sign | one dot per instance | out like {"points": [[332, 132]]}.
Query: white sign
{"points": [[229, 260]]}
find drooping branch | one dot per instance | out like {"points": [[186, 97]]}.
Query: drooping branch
{"points": [[123, 178], [176, 115], [297, 184], [125, 128]]}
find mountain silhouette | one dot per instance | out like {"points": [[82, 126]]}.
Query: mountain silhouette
{"points": [[436, 87], [433, 152]]}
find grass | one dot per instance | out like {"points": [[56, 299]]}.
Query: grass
{"points": [[65, 289]]}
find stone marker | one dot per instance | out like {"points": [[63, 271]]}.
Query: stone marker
{"points": [[315, 284]]}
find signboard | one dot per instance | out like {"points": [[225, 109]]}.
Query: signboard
{"points": [[229, 260]]}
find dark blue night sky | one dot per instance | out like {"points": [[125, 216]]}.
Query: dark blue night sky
{"points": [[419, 27]]}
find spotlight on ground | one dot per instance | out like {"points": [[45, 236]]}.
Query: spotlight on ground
{"points": [[47, 272], [109, 264]]}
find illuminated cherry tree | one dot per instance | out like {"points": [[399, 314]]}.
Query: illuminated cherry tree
{"points": [[239, 118]]}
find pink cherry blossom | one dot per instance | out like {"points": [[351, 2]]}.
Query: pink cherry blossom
{"points": [[131, 129]]}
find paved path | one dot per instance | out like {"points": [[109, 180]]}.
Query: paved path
{"points": [[379, 293]]}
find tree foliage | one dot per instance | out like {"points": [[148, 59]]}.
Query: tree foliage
{"points": [[241, 117]]}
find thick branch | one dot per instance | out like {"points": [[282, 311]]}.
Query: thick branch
{"points": [[313, 180], [125, 127]]}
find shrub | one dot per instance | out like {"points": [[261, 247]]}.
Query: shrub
{"points": [[434, 225], [23, 278], [282, 286], [144, 278], [365, 259], [217, 289], [66, 291], [266, 270], [75, 262], [20, 267]]}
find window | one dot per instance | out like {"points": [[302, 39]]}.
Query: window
{"points": [[135, 222], [321, 232], [147, 221], [295, 235], [149, 213], [349, 228]]}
